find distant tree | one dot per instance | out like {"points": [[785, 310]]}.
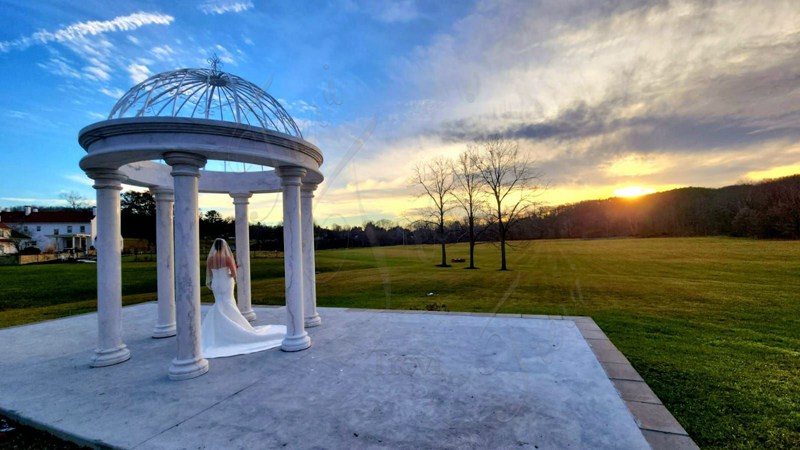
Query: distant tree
{"points": [[138, 203], [213, 225], [138, 214], [436, 180], [467, 192], [73, 199], [213, 217], [512, 182]]}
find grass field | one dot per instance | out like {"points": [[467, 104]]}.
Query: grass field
{"points": [[712, 324]]}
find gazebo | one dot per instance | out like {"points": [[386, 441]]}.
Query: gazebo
{"points": [[160, 135]]}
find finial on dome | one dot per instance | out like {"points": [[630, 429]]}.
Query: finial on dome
{"points": [[215, 62]]}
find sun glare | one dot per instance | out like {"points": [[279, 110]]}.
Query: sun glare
{"points": [[633, 191]]}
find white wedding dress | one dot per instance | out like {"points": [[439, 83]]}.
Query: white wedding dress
{"points": [[225, 332]]}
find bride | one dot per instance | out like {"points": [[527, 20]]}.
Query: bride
{"points": [[225, 332]]}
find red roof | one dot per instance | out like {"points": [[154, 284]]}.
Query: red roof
{"points": [[47, 217]]}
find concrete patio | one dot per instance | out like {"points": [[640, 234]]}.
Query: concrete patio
{"points": [[372, 379]]}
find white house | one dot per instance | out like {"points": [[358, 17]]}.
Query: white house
{"points": [[53, 230], [7, 246]]}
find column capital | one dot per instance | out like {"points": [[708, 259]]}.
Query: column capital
{"points": [[185, 164], [241, 198], [106, 178], [307, 189], [290, 175], [163, 194]]}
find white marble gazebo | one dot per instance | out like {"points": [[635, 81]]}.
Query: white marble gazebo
{"points": [[180, 133]]}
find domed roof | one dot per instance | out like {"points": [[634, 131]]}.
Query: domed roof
{"points": [[205, 94]]}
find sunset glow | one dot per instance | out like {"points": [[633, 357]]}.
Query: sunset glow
{"points": [[633, 191]]}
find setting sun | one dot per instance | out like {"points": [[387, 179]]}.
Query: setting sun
{"points": [[633, 191]]}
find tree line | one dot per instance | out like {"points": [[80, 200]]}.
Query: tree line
{"points": [[769, 210], [471, 213]]}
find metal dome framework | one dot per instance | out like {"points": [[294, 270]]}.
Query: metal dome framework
{"points": [[205, 94]]}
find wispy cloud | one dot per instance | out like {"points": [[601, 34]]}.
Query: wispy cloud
{"points": [[114, 93], [32, 200], [138, 72], [163, 52], [14, 114], [79, 177], [61, 66], [224, 6], [78, 30]]}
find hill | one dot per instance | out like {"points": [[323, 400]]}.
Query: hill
{"points": [[768, 209]]}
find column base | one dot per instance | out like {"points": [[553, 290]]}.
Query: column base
{"points": [[164, 331], [110, 356], [296, 343], [249, 315], [313, 321], [187, 368]]}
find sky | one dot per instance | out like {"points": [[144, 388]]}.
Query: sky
{"points": [[609, 98]]}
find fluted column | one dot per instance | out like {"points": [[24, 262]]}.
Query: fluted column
{"points": [[110, 348], [243, 289], [296, 337], [312, 318], [165, 323], [189, 362]]}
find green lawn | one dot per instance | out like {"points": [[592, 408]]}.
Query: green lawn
{"points": [[712, 324]]}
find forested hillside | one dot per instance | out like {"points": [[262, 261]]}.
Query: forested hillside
{"points": [[769, 209]]}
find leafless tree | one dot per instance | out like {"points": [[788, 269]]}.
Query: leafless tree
{"points": [[73, 199], [468, 192], [436, 179], [512, 182]]}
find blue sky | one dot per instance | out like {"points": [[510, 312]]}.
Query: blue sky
{"points": [[604, 95]]}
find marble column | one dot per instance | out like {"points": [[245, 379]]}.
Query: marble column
{"points": [[189, 362], [296, 337], [165, 324], [110, 348], [312, 318], [243, 290]]}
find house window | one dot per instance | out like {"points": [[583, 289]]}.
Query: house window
{"points": [[83, 228], [55, 231], [38, 228], [69, 229], [25, 228]]}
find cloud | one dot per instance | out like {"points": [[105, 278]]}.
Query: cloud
{"points": [[32, 200], [97, 73], [58, 65], [224, 6], [583, 85], [14, 114], [138, 72], [114, 93], [398, 11], [96, 115], [163, 53], [78, 30], [79, 177]]}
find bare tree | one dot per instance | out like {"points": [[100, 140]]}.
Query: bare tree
{"points": [[436, 179], [73, 199], [512, 182], [468, 192]]}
